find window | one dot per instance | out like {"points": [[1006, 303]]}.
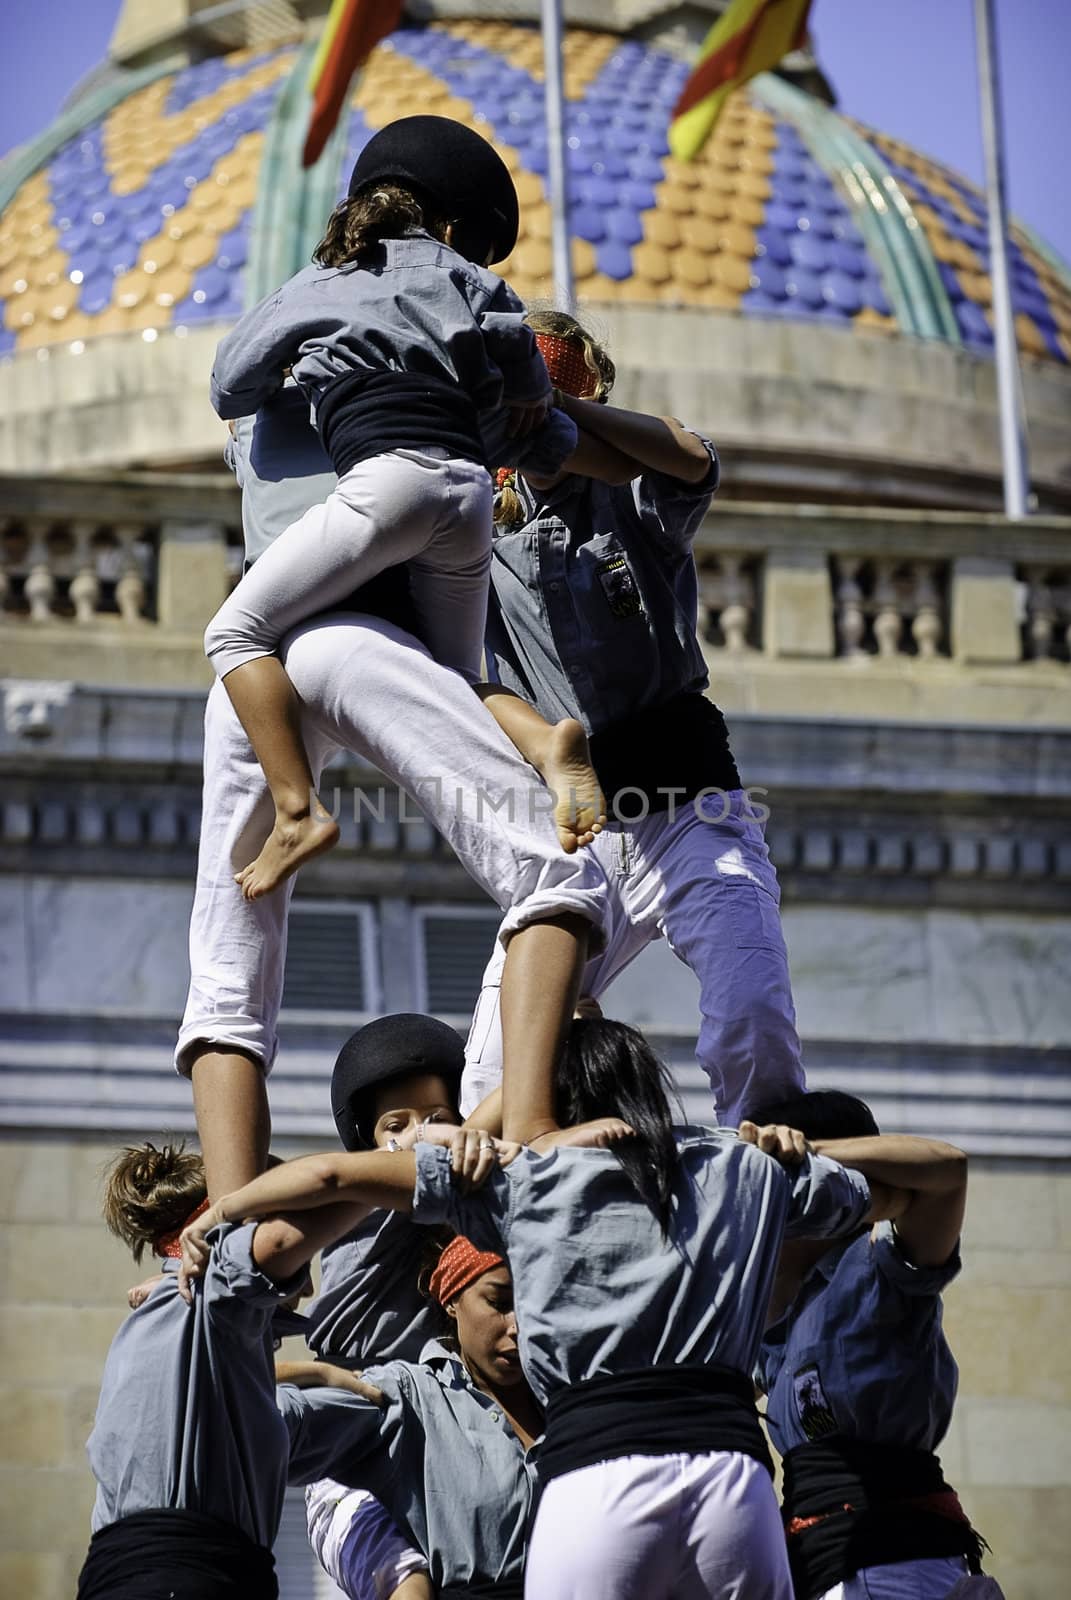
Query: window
{"points": [[453, 946], [331, 964]]}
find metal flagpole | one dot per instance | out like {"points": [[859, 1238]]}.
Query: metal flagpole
{"points": [[1009, 387], [555, 99]]}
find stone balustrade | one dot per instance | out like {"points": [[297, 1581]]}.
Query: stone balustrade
{"points": [[113, 580]]}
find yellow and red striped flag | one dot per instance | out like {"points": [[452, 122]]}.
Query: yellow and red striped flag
{"points": [[351, 32], [747, 38]]}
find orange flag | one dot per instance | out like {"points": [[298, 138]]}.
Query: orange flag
{"points": [[749, 37], [351, 32]]}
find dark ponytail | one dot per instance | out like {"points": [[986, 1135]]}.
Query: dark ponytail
{"points": [[820, 1114], [609, 1069]]}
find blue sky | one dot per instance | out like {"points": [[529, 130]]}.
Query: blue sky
{"points": [[904, 66]]}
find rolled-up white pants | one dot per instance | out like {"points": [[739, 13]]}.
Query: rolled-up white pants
{"points": [[369, 688], [702, 880], [420, 506], [673, 1527]]}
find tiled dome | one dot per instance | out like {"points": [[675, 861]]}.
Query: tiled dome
{"points": [[185, 201]]}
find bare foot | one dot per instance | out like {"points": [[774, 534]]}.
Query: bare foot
{"points": [[566, 769], [292, 842]]}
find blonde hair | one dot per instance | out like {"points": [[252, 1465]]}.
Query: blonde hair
{"points": [[560, 325], [150, 1192], [359, 223]]}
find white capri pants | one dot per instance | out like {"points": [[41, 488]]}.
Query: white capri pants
{"points": [[673, 1527], [420, 506], [703, 881], [357, 1543], [369, 688]]}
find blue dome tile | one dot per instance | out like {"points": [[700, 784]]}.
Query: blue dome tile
{"points": [[640, 196], [768, 277], [646, 168], [841, 292], [808, 250], [804, 287], [781, 217], [596, 191], [624, 225], [614, 258], [586, 222], [612, 165], [846, 258], [772, 242], [950, 279], [96, 293]]}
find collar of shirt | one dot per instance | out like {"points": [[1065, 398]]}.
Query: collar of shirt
{"points": [[452, 1373]]}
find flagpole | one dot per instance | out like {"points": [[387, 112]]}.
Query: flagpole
{"points": [[1009, 385], [561, 253]]}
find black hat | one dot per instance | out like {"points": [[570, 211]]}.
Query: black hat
{"points": [[392, 1047], [453, 170]]}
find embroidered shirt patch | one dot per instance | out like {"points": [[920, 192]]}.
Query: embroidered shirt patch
{"points": [[619, 587], [812, 1407]]}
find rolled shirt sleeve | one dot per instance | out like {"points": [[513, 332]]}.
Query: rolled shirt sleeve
{"points": [[483, 1215], [250, 359], [902, 1273], [827, 1200], [672, 510]]}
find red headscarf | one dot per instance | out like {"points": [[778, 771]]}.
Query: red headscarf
{"points": [[168, 1243], [459, 1265], [567, 366]]}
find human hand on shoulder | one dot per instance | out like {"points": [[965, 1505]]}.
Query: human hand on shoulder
{"points": [[140, 1292], [196, 1249], [523, 417], [324, 1375], [786, 1145]]}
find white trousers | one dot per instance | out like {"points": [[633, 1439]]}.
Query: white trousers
{"points": [[704, 882], [932, 1579], [356, 1542], [371, 689], [675, 1527], [420, 506]]}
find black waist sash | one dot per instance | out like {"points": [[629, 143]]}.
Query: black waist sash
{"points": [[681, 745], [872, 1505], [366, 413], [659, 1411], [176, 1555], [484, 1589]]}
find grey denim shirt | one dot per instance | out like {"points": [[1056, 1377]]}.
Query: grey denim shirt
{"points": [[369, 1307], [440, 1456], [860, 1351], [187, 1417], [600, 1291], [594, 600], [419, 307]]}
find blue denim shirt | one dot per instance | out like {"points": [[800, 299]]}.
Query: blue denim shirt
{"points": [[421, 308], [281, 467], [187, 1415], [440, 1456], [594, 600], [369, 1307], [860, 1351], [600, 1291]]}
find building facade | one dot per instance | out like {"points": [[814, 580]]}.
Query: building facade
{"points": [[891, 654]]}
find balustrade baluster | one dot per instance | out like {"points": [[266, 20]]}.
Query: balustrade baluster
{"points": [[130, 589], [926, 628], [738, 605], [888, 623], [85, 585], [849, 620], [40, 584]]}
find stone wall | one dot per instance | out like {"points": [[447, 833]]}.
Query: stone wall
{"points": [[62, 1299]]}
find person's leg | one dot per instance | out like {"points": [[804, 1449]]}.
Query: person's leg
{"points": [[935, 1578], [624, 937], [710, 876], [540, 987], [370, 688], [559, 752], [359, 1546], [227, 1040], [383, 512], [732, 1541], [607, 1532]]}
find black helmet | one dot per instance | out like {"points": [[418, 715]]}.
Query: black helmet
{"points": [[392, 1047], [452, 170]]}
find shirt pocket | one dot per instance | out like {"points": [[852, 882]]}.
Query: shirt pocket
{"points": [[607, 590]]}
